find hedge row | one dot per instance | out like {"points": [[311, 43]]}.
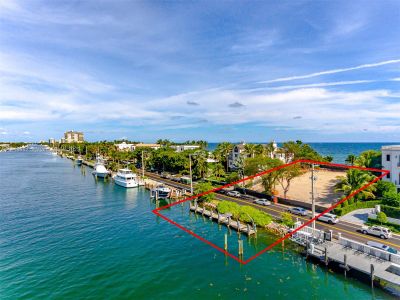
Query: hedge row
{"points": [[243, 213], [358, 205], [390, 211], [393, 227]]}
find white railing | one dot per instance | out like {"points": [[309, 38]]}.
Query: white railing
{"points": [[368, 250]]}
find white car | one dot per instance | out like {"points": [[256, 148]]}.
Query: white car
{"points": [[382, 232], [264, 202], [329, 218], [298, 211], [233, 193]]}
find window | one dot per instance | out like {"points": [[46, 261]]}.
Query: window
{"points": [[388, 176], [387, 157]]}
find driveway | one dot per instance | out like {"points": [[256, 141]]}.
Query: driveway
{"points": [[358, 216]]}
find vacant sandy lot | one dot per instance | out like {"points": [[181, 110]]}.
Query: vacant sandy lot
{"points": [[300, 187]]}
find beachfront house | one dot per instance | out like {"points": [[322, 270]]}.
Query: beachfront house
{"points": [[391, 162], [239, 152], [124, 146], [181, 148]]}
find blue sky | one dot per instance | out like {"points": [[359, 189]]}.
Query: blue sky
{"points": [[214, 70]]}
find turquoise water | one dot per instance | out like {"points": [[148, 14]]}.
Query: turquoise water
{"points": [[65, 236], [339, 151]]}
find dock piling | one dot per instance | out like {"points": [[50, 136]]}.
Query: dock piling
{"points": [[372, 275], [326, 256], [226, 242], [240, 242]]}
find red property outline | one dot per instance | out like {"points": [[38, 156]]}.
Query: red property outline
{"points": [[157, 210]]}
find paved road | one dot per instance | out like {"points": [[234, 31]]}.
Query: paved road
{"points": [[348, 230]]}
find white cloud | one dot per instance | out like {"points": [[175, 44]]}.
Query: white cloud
{"points": [[333, 71]]}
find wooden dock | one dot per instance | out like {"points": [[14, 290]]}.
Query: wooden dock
{"points": [[378, 267], [224, 219]]}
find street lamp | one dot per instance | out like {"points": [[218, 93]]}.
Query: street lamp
{"points": [[190, 172]]}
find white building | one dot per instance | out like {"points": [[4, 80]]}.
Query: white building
{"points": [[130, 147], [180, 148], [239, 151], [391, 162]]}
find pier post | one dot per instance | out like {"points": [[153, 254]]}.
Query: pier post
{"points": [[248, 229], [229, 221], [218, 217], [226, 242], [156, 195], [238, 225], [372, 275], [240, 242], [326, 256], [331, 232], [345, 265]]}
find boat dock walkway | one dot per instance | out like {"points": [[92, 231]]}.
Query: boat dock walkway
{"points": [[348, 258], [224, 219], [380, 266]]}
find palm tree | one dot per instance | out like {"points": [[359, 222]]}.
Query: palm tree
{"points": [[351, 159], [250, 149], [260, 149], [219, 170], [225, 149], [201, 166], [353, 181], [270, 149]]}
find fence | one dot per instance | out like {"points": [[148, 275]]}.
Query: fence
{"points": [[385, 255]]}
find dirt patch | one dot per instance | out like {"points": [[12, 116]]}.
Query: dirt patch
{"points": [[300, 187]]}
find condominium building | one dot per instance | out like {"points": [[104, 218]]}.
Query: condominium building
{"points": [[391, 162], [73, 137]]}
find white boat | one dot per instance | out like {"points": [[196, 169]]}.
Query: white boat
{"points": [[79, 160], [99, 169], [160, 192], [126, 178]]}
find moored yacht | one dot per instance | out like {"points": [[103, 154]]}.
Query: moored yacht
{"points": [[79, 160], [99, 169], [126, 178], [160, 192]]}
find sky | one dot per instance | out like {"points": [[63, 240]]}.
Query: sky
{"points": [[319, 71]]}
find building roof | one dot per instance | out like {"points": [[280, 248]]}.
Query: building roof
{"points": [[391, 147]]}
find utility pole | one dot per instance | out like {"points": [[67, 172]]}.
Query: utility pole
{"points": [[190, 171], [142, 164], [313, 178]]}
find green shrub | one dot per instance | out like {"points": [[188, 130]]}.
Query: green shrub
{"points": [[287, 219], [358, 205], [391, 198], [229, 207], [392, 212], [244, 213], [383, 187], [381, 217]]}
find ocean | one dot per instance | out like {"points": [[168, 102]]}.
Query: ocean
{"points": [[339, 151]]}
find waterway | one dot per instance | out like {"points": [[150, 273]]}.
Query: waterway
{"points": [[64, 235]]}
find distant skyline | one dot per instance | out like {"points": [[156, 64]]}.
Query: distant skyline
{"points": [[317, 71]]}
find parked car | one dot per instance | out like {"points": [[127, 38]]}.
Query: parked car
{"points": [[264, 202], [248, 197], [382, 232], [234, 194], [329, 218], [298, 211], [382, 247]]}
